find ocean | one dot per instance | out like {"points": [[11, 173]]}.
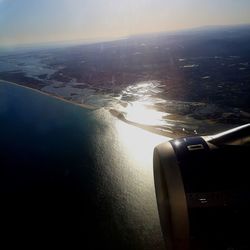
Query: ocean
{"points": [[74, 177]]}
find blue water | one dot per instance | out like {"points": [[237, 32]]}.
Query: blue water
{"points": [[74, 177]]}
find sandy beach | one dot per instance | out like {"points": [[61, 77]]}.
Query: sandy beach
{"points": [[86, 106]]}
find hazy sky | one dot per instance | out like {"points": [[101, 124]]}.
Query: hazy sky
{"points": [[32, 21]]}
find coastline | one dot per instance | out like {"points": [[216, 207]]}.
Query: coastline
{"points": [[115, 113], [85, 106]]}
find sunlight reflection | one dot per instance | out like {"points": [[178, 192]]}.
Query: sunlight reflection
{"points": [[128, 172], [139, 101], [137, 112], [138, 144]]}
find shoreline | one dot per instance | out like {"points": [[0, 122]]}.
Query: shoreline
{"points": [[115, 113], [85, 106]]}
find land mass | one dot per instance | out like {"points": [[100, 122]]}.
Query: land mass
{"points": [[197, 79]]}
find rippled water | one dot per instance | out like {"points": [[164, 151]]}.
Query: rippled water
{"points": [[76, 176]]}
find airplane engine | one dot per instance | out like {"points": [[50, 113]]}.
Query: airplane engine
{"points": [[203, 191]]}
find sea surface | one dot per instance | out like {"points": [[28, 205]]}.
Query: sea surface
{"points": [[73, 177]]}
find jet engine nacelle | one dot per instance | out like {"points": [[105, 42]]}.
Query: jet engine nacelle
{"points": [[203, 191]]}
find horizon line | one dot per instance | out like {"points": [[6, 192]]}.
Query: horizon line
{"points": [[88, 41]]}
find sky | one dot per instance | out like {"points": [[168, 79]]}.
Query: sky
{"points": [[41, 21]]}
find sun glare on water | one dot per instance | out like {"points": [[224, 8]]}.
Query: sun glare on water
{"points": [[138, 112], [138, 143], [141, 108]]}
